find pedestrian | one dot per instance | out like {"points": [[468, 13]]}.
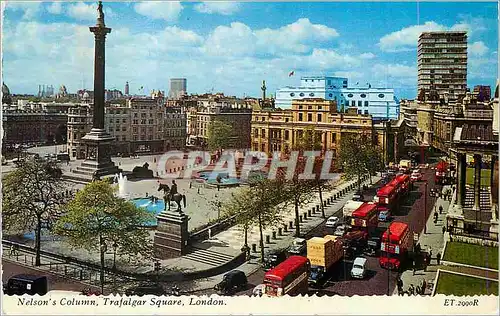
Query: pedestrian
{"points": [[424, 286], [440, 209], [443, 230], [411, 290], [400, 285], [438, 258], [414, 268]]}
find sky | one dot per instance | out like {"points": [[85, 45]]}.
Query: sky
{"points": [[231, 47]]}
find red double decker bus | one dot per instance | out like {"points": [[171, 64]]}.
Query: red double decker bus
{"points": [[386, 197], [395, 243], [365, 217], [288, 278], [403, 182]]}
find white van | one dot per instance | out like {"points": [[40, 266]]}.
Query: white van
{"points": [[358, 270]]}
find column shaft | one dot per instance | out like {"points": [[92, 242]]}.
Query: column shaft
{"points": [[477, 181], [462, 169]]}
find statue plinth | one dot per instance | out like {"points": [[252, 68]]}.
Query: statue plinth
{"points": [[171, 236]]}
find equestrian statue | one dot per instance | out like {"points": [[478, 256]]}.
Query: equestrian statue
{"points": [[171, 194]]}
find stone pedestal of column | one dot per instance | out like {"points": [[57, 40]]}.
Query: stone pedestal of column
{"points": [[171, 236]]}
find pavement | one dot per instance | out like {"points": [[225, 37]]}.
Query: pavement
{"points": [[432, 240]]}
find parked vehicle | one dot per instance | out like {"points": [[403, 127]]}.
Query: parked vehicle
{"points": [[273, 258], [232, 282], [298, 246], [288, 278], [416, 176], [323, 253], [146, 289], [332, 222], [26, 284], [358, 270]]}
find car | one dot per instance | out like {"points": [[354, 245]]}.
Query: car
{"points": [[340, 231], [384, 216], [232, 282], [298, 246], [373, 246], [332, 222], [29, 284], [358, 270], [146, 289], [416, 176], [273, 258], [258, 290], [358, 196]]}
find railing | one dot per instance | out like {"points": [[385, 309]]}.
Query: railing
{"points": [[476, 236]]}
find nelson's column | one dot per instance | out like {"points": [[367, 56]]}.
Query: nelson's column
{"points": [[97, 142]]}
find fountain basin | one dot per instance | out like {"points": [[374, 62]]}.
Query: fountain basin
{"points": [[210, 178], [153, 208]]}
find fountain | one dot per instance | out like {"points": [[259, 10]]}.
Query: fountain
{"points": [[122, 185]]}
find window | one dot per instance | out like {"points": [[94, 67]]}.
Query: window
{"points": [[320, 107], [286, 135], [359, 111], [136, 121], [350, 95], [360, 103], [309, 117], [363, 95], [329, 82], [293, 94], [263, 132], [319, 117], [366, 112], [300, 117], [334, 137], [330, 95], [309, 107], [301, 94], [366, 103], [287, 119], [353, 103], [311, 94], [381, 95], [124, 138], [300, 107], [124, 128]]}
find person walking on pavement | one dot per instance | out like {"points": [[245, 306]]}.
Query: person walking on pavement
{"points": [[440, 209], [438, 258], [443, 230], [400, 286]]}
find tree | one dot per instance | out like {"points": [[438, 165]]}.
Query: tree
{"points": [[96, 218], [32, 198], [219, 134], [358, 156], [257, 205]]}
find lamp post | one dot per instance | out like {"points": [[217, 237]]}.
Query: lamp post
{"points": [[425, 207], [115, 245]]}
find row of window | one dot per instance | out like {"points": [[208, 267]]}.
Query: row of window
{"points": [[350, 95]]}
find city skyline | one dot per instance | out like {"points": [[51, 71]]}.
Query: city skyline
{"points": [[231, 47]]}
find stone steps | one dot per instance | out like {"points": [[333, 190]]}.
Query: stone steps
{"points": [[208, 257]]}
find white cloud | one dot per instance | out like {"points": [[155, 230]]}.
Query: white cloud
{"points": [[406, 39], [477, 48], [223, 8], [55, 8], [368, 55], [168, 11], [396, 70], [86, 12], [239, 39], [30, 9]]}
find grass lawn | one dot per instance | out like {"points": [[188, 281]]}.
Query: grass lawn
{"points": [[485, 177], [454, 284], [474, 255]]}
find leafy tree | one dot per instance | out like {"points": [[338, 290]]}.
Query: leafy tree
{"points": [[219, 135], [32, 198], [358, 156], [257, 205], [96, 218]]}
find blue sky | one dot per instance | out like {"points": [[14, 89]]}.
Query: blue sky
{"points": [[231, 47]]}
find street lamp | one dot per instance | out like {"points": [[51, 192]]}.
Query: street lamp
{"points": [[103, 251], [115, 245]]}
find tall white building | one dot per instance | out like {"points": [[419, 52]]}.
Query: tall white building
{"points": [[378, 102]]}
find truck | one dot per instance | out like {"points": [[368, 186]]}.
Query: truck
{"points": [[349, 207], [405, 165], [323, 253]]}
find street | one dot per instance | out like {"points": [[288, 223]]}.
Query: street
{"points": [[378, 280]]}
